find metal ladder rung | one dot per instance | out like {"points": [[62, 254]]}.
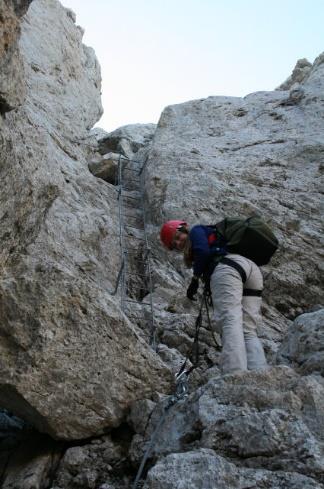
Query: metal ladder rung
{"points": [[132, 217], [136, 274], [132, 181], [138, 302], [122, 157], [133, 237], [127, 249], [132, 197], [128, 189], [131, 169], [140, 261], [138, 212], [133, 227], [136, 197]]}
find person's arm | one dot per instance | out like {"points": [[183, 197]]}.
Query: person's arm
{"points": [[201, 255], [200, 250]]}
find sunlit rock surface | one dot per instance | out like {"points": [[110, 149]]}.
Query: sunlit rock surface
{"points": [[303, 345], [12, 86], [225, 156], [64, 339], [271, 420], [71, 364]]}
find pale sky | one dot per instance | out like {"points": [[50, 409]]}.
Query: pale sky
{"points": [[155, 53]]}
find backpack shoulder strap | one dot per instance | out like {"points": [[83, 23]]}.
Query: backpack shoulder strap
{"points": [[233, 264]]}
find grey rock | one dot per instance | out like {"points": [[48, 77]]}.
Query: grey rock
{"points": [[205, 469], [12, 87], [140, 414], [268, 420], [64, 339], [300, 72], [303, 345], [97, 464], [223, 156], [127, 140], [105, 167]]}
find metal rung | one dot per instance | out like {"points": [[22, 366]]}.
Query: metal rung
{"points": [[136, 274], [131, 177], [133, 227], [138, 302], [132, 181], [132, 217], [129, 236], [137, 211], [131, 197], [128, 189], [138, 196], [127, 249], [126, 168], [122, 157], [139, 261]]}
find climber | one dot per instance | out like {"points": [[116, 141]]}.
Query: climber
{"points": [[237, 305]]}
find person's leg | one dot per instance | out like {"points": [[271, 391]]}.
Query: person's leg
{"points": [[226, 287], [252, 319]]}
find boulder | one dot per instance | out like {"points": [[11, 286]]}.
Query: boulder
{"points": [[303, 345], [12, 87], [88, 466], [300, 72], [126, 140], [63, 337], [205, 469], [268, 420], [105, 167]]}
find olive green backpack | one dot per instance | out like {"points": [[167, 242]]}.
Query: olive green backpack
{"points": [[250, 237]]}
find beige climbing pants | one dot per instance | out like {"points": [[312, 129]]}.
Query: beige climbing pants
{"points": [[237, 317]]}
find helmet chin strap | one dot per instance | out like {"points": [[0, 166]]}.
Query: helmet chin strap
{"points": [[183, 229]]}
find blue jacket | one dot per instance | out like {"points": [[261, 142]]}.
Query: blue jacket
{"points": [[204, 247]]}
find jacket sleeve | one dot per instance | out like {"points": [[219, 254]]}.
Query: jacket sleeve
{"points": [[200, 250]]}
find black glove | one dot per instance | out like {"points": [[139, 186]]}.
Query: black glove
{"points": [[192, 289]]}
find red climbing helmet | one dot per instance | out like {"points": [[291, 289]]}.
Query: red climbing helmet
{"points": [[168, 231]]}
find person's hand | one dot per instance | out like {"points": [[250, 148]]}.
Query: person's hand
{"points": [[193, 288]]}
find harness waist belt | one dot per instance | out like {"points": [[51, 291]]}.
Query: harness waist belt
{"points": [[241, 271], [252, 292]]}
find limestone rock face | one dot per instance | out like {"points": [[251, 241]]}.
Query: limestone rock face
{"points": [[126, 140], [300, 72], [12, 88], [303, 345], [266, 421], [205, 469], [105, 167], [92, 465], [63, 338], [227, 156]]}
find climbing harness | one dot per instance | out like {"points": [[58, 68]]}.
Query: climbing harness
{"points": [[241, 271], [135, 276]]}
